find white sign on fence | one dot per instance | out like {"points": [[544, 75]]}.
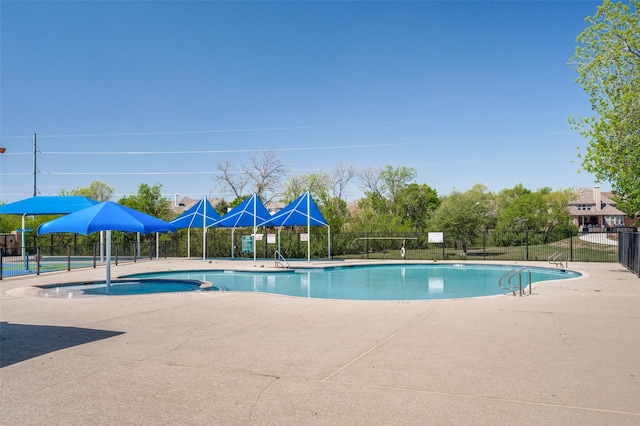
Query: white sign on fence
{"points": [[436, 237], [271, 238], [304, 237]]}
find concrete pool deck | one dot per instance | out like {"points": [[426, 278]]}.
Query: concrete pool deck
{"points": [[568, 354]]}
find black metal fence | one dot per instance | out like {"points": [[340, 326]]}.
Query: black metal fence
{"points": [[487, 245], [563, 245], [37, 259], [629, 251]]}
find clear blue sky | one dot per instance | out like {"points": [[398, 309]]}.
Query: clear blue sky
{"points": [[159, 92]]}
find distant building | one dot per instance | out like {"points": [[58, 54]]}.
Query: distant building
{"points": [[274, 207], [592, 209], [180, 205]]}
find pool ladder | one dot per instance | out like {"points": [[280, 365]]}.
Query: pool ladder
{"points": [[280, 260], [506, 284], [556, 259]]}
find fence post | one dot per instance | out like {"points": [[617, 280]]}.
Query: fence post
{"points": [[367, 245], [38, 260], [571, 245], [68, 257], [1, 262], [484, 245], [526, 238], [94, 255]]}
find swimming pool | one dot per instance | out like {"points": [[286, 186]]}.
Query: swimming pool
{"points": [[370, 282], [121, 287]]}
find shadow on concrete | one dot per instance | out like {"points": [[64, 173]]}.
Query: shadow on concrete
{"points": [[19, 342]]}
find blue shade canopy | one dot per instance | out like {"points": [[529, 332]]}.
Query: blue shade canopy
{"points": [[200, 215], [43, 205], [106, 216], [250, 212], [303, 211]]}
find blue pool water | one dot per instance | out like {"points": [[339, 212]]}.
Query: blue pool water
{"points": [[379, 282], [120, 288]]}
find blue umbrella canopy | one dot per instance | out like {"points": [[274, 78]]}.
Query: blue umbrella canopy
{"points": [[200, 215], [249, 213], [106, 216], [302, 211], [44, 204]]}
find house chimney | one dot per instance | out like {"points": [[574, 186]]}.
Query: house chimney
{"points": [[597, 198], [175, 200]]}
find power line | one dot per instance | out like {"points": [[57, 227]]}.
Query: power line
{"points": [[229, 151], [250, 129]]}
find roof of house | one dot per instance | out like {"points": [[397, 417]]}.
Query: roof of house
{"points": [[586, 196]]}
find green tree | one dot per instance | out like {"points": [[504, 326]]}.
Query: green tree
{"points": [[335, 212], [382, 188], [222, 207], [463, 216], [371, 215], [96, 190], [149, 200], [387, 182], [520, 209], [316, 183], [415, 204], [607, 59], [9, 223], [515, 209]]}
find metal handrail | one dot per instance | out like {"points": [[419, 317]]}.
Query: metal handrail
{"points": [[555, 259], [512, 287], [280, 260]]}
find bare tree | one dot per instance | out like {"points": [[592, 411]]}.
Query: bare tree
{"points": [[262, 175], [341, 176], [371, 180], [232, 182]]}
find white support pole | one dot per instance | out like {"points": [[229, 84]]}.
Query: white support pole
{"points": [[204, 229], [101, 246], [24, 240], [255, 228], [279, 229], [233, 254], [189, 243], [308, 227], [108, 261]]}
